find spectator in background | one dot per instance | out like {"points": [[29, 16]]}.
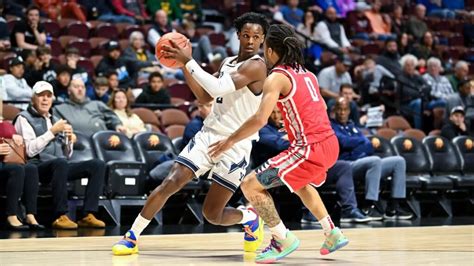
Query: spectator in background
{"points": [[55, 9], [119, 104], [461, 71], [159, 28], [442, 8], [440, 87], [21, 179], [369, 75], [341, 6], [412, 85], [331, 33], [44, 69], [390, 57], [425, 49], [307, 28], [100, 91], [465, 99], [358, 149], [468, 32], [273, 139], [360, 24], [114, 61], [105, 12], [290, 13], [154, 92], [380, 23], [195, 125], [61, 83], [455, 126], [192, 9], [31, 63], [84, 115], [29, 33], [398, 22], [132, 8], [203, 50], [143, 60], [170, 7], [416, 25], [16, 87], [347, 92], [331, 78], [112, 80], [403, 44], [72, 57], [4, 31], [49, 142]]}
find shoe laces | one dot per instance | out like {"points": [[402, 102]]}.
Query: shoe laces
{"points": [[273, 245]]}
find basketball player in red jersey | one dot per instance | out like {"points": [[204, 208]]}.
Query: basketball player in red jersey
{"points": [[314, 147]]}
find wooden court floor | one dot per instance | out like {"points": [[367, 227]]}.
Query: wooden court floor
{"points": [[441, 245]]}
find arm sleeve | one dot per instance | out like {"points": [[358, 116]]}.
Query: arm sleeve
{"points": [[324, 35], [153, 37], [110, 118], [345, 42], [216, 87]]}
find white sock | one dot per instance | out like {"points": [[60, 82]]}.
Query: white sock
{"points": [[327, 224], [247, 215], [279, 230], [139, 225], [210, 57]]}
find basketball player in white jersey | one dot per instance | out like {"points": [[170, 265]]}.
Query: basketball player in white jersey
{"points": [[236, 91]]}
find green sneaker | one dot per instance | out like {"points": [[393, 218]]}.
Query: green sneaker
{"points": [[334, 241], [278, 249]]}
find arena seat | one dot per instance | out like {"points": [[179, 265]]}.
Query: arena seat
{"points": [[107, 30], [464, 146], [152, 146], [181, 90], [78, 29], [82, 45], [386, 133], [125, 169], [148, 117], [414, 133], [397, 123], [175, 131], [173, 117], [384, 149], [52, 28], [10, 112], [178, 144]]}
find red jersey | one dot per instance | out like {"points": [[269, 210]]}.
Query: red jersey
{"points": [[303, 109]]}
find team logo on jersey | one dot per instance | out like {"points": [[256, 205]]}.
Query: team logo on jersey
{"points": [[219, 100], [242, 164]]}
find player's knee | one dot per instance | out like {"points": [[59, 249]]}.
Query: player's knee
{"points": [[212, 216], [248, 183], [175, 181]]}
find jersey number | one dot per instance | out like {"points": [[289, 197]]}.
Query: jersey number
{"points": [[312, 89]]}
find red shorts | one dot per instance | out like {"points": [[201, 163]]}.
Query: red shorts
{"points": [[302, 165]]}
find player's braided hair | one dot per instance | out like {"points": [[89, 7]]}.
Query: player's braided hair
{"points": [[252, 18], [282, 39]]}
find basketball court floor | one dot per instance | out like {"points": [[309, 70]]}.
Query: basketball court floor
{"points": [[429, 245]]}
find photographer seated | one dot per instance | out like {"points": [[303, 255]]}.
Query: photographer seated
{"points": [[49, 144]]}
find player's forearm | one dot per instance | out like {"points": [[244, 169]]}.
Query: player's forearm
{"points": [[201, 95], [250, 127], [215, 87]]}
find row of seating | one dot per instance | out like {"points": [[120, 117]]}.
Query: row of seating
{"points": [[434, 164]]}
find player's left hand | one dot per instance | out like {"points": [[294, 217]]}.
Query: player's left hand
{"points": [[218, 148], [177, 53]]}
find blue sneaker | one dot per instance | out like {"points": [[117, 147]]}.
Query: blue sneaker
{"points": [[126, 246], [354, 215], [253, 237]]}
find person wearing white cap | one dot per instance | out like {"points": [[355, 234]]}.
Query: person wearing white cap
{"points": [[49, 143]]}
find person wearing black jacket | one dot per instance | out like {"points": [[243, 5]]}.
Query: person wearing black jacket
{"points": [[154, 92], [456, 126], [113, 60]]}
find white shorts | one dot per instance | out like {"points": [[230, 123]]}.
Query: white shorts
{"points": [[230, 168]]}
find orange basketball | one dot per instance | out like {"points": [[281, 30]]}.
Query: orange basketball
{"points": [[180, 40]]}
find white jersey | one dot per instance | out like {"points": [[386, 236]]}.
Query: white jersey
{"points": [[232, 110]]}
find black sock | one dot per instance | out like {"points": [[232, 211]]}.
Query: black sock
{"points": [[393, 205]]}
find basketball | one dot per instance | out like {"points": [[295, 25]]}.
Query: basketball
{"points": [[180, 40]]}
